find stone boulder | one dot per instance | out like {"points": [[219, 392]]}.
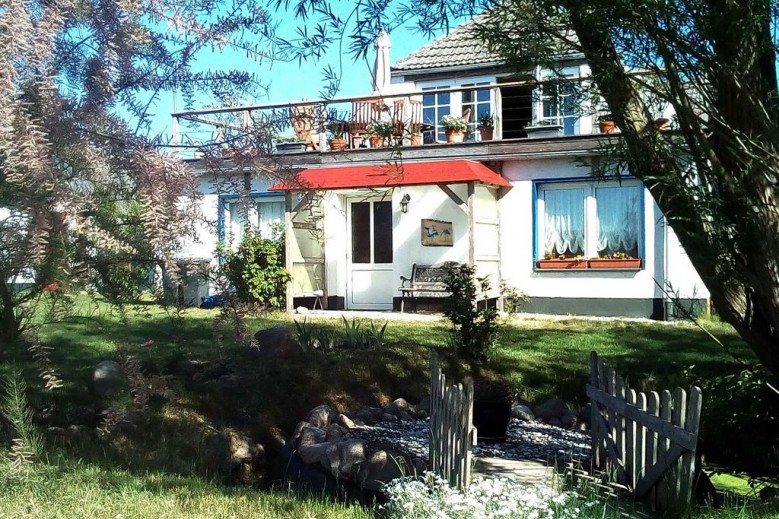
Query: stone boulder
{"points": [[314, 453], [550, 410], [310, 436], [378, 469], [369, 415], [523, 413], [345, 422], [108, 378], [321, 416], [401, 409]]}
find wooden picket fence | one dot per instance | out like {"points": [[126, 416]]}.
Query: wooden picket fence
{"points": [[452, 434], [646, 441]]}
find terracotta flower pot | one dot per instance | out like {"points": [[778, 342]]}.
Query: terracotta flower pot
{"points": [[455, 136], [416, 139], [487, 133], [377, 142], [337, 144]]}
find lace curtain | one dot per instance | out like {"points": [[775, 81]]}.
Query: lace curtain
{"points": [[618, 219], [564, 224]]}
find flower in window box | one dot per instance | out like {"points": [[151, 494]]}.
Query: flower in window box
{"points": [[617, 260]]}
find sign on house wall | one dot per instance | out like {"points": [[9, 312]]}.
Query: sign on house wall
{"points": [[436, 233]]}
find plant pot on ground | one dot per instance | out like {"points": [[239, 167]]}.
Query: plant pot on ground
{"points": [[492, 401], [337, 143], [380, 133], [455, 136]]}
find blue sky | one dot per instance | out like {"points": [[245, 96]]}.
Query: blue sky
{"points": [[291, 81]]}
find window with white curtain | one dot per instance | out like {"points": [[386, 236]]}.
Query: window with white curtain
{"points": [[258, 213], [589, 220]]}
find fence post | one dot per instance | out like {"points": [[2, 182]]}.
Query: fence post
{"points": [[451, 427]]}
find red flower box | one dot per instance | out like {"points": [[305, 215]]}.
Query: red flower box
{"points": [[562, 264], [615, 263]]}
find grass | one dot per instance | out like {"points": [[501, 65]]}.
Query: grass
{"points": [[84, 490], [140, 470]]}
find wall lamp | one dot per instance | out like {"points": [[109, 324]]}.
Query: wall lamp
{"points": [[404, 203]]}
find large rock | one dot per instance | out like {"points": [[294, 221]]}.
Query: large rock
{"points": [[523, 413], [345, 422], [245, 450], [108, 378], [379, 469], [402, 409], [322, 416], [335, 432], [551, 409], [352, 453], [274, 342], [424, 405], [314, 453], [311, 435], [217, 453], [369, 415]]}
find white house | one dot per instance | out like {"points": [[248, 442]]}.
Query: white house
{"points": [[356, 220]]}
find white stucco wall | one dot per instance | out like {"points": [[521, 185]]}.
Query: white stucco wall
{"points": [[518, 263]]}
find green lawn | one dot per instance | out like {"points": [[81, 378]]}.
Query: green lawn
{"points": [[159, 463]]}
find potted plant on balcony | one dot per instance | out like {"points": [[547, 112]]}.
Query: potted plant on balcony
{"points": [[336, 141], [487, 127], [606, 124], [544, 128], [618, 260], [290, 144], [492, 401], [455, 128], [561, 262], [380, 133]]}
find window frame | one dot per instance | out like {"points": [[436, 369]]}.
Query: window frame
{"points": [[456, 104], [223, 212], [540, 99], [590, 207]]}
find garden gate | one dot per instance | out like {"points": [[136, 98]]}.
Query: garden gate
{"points": [[452, 434], [646, 441]]}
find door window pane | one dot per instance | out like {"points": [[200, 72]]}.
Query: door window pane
{"points": [[382, 232], [361, 232]]}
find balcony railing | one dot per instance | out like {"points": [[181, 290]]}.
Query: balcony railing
{"points": [[405, 118]]}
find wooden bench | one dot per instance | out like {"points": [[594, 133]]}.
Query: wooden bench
{"points": [[425, 281]]}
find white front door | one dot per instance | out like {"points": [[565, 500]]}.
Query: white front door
{"points": [[369, 255]]}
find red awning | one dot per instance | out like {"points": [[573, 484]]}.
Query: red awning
{"points": [[389, 175]]}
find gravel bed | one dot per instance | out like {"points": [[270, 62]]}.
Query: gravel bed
{"points": [[525, 441]]}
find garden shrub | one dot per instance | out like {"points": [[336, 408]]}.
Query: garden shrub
{"points": [[739, 425], [256, 270], [474, 330]]}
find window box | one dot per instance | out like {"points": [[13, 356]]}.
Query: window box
{"points": [[290, 147], [548, 130], [615, 263], [562, 264]]}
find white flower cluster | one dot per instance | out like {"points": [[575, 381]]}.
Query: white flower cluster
{"points": [[487, 497]]}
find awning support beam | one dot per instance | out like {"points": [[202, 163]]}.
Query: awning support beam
{"points": [[456, 199]]}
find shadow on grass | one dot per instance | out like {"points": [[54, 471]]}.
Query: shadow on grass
{"points": [[545, 357]]}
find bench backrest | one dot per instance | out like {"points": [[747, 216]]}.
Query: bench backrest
{"points": [[430, 275]]}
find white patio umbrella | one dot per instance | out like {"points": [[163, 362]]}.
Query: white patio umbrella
{"points": [[381, 68]]}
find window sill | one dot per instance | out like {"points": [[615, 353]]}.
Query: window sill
{"points": [[590, 265]]}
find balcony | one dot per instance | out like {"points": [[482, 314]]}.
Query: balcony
{"points": [[344, 129]]}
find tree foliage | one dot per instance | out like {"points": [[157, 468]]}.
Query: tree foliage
{"points": [[83, 190]]}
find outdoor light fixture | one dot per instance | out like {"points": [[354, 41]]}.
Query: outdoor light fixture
{"points": [[404, 203]]}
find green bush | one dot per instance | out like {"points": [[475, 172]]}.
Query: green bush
{"points": [[474, 330], [256, 270], [739, 424]]}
